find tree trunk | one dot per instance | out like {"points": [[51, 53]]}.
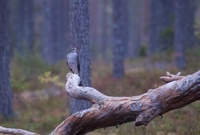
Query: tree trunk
{"points": [[54, 31], [125, 25], [24, 22], [104, 32], [79, 37], [107, 30], [59, 24], [6, 105], [47, 48], [134, 43], [161, 25], [180, 32], [118, 37], [191, 40], [145, 18], [94, 23]]}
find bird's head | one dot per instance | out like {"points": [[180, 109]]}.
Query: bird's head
{"points": [[74, 49]]}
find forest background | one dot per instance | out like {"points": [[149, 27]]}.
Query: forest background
{"points": [[131, 44]]}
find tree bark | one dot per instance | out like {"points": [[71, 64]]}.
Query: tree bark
{"points": [[6, 105], [13, 131], [110, 111], [79, 37], [47, 47], [181, 29], [118, 38], [190, 22], [24, 23], [161, 25], [135, 23], [54, 31]]}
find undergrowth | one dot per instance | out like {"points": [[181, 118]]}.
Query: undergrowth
{"points": [[43, 116]]}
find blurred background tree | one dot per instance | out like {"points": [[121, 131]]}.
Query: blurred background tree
{"points": [[127, 41], [184, 31], [6, 96], [161, 26], [54, 30], [119, 37], [149, 28]]}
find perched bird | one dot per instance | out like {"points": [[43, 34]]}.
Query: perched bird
{"points": [[73, 61]]}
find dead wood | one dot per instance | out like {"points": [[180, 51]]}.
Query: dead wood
{"points": [[108, 111]]}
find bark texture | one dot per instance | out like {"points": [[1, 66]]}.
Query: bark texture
{"points": [[24, 26], [79, 37], [13, 131], [6, 105], [180, 38], [184, 31], [161, 25], [109, 111], [54, 30], [135, 27], [118, 38]]}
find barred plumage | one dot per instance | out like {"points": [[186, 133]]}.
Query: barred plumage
{"points": [[72, 61]]}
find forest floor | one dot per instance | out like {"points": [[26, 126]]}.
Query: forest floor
{"points": [[41, 108]]}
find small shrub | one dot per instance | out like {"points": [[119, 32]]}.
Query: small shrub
{"points": [[24, 71]]}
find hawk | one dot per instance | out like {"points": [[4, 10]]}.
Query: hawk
{"points": [[73, 61]]}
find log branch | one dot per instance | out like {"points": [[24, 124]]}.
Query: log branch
{"points": [[171, 77], [13, 131], [110, 111]]}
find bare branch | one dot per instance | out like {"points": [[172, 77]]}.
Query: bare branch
{"points": [[87, 93], [171, 77], [13, 131], [109, 111]]}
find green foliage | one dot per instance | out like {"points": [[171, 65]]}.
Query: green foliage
{"points": [[24, 71], [40, 117], [167, 33], [19, 84], [48, 78], [143, 51]]}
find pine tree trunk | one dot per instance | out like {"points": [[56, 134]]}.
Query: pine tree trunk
{"points": [[118, 37], [47, 48], [79, 37], [54, 31], [135, 26], [161, 25], [191, 40], [180, 32], [24, 24], [6, 105]]}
